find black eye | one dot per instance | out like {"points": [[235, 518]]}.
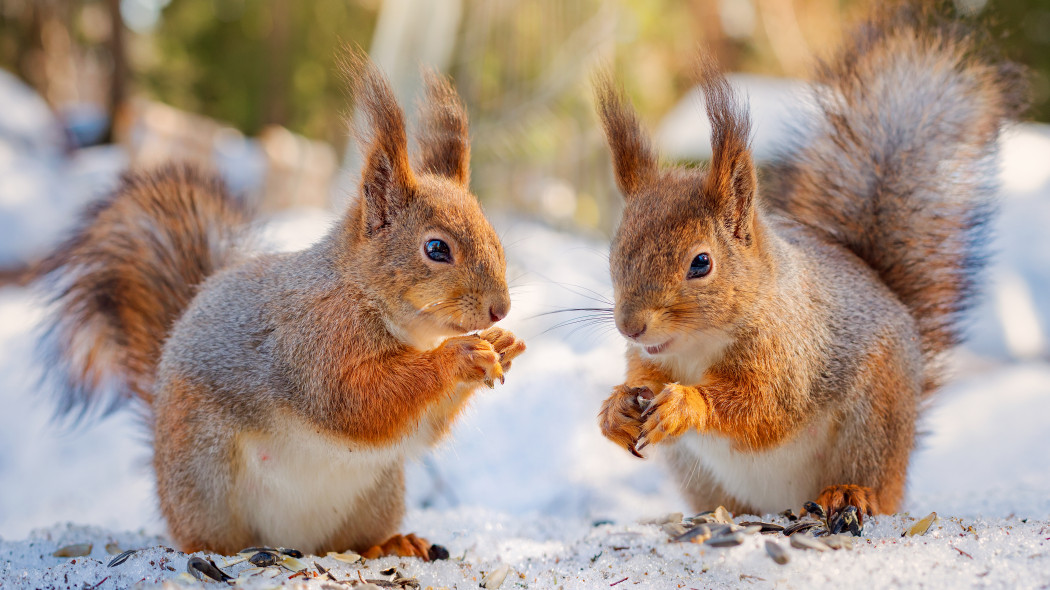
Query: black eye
{"points": [[438, 251], [700, 267]]}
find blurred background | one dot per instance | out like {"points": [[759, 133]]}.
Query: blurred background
{"points": [[252, 87], [91, 88]]}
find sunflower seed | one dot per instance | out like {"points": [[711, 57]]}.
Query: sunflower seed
{"points": [[840, 541], [800, 526], [78, 550], [777, 552], [495, 578], [293, 564], [348, 557], [726, 540], [765, 527], [263, 559], [807, 542], [922, 527], [199, 568], [121, 558]]}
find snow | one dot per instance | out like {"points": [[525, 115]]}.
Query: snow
{"points": [[525, 475]]}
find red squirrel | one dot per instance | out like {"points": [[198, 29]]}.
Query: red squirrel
{"points": [[782, 342], [285, 391]]}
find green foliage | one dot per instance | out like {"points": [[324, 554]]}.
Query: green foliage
{"points": [[254, 62]]}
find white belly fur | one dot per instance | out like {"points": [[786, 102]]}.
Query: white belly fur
{"points": [[768, 481], [298, 485]]}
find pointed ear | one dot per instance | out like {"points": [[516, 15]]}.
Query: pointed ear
{"points": [[634, 161], [387, 181], [731, 179], [444, 139]]}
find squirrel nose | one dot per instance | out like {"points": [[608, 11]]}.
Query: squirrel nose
{"points": [[632, 333], [497, 313]]}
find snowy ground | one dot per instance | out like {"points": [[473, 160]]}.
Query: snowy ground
{"points": [[525, 475]]}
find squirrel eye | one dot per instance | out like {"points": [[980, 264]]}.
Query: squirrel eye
{"points": [[700, 267], [438, 251]]}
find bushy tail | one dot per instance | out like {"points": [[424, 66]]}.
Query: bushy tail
{"points": [[124, 278], [899, 162]]}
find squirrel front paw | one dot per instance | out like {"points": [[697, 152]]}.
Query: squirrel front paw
{"points": [[507, 345], [620, 416], [675, 410], [476, 358]]}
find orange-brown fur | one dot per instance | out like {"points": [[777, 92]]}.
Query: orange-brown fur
{"points": [[341, 360], [819, 329]]}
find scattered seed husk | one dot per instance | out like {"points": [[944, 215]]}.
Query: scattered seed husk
{"points": [[726, 540], [673, 529], [777, 552], [808, 542], [113, 549], [78, 550], [764, 527], [293, 564], [495, 578], [840, 541], [121, 558], [290, 552], [815, 509], [248, 551], [800, 526], [437, 553], [263, 559], [702, 532], [788, 514], [200, 568], [750, 529], [348, 557], [922, 527], [390, 571], [722, 515], [228, 561]]}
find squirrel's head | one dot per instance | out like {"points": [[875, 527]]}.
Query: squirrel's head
{"points": [[685, 259], [421, 246]]}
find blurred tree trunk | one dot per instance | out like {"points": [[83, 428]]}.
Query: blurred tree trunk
{"points": [[276, 99], [118, 82]]}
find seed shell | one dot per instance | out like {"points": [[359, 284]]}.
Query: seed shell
{"points": [[922, 527], [726, 540], [495, 578], [121, 558], [808, 542], [800, 526], [777, 552], [765, 527], [77, 550]]}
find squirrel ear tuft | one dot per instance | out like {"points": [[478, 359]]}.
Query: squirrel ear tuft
{"points": [[634, 161], [386, 176], [444, 137], [731, 178]]}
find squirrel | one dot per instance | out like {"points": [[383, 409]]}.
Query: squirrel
{"points": [[285, 391], [782, 345]]}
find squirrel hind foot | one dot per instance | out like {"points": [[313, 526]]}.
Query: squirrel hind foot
{"points": [[837, 497], [401, 546]]}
